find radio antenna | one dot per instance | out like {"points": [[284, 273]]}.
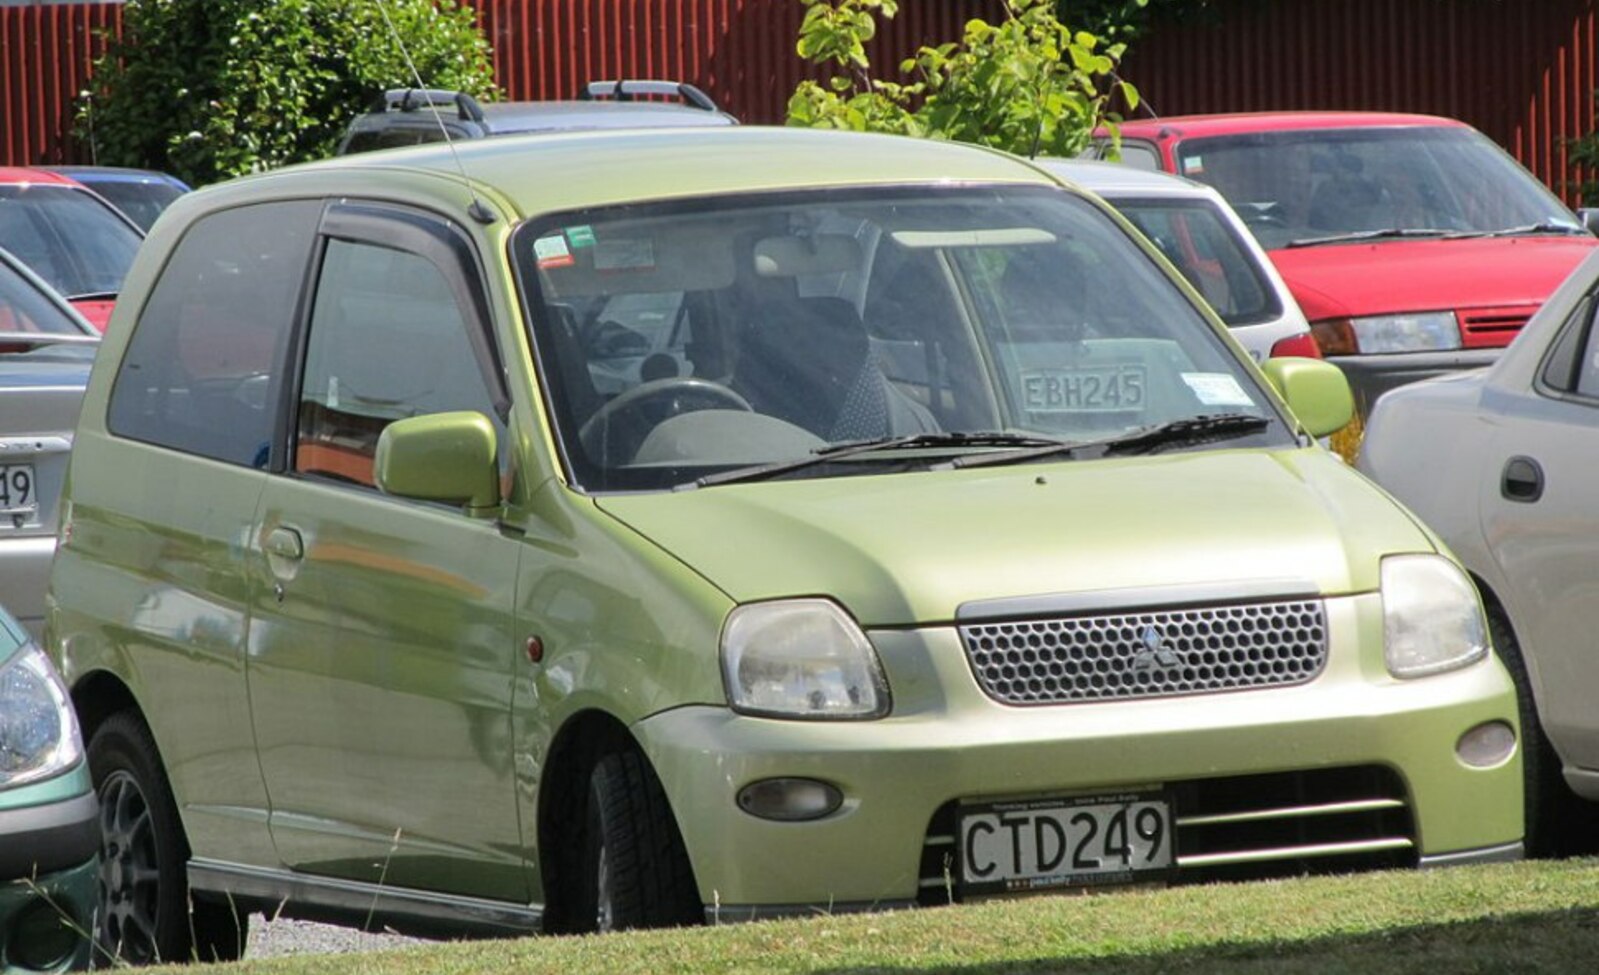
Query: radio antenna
{"points": [[476, 209]]}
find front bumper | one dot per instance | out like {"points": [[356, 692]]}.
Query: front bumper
{"points": [[1372, 375], [49, 876], [947, 742]]}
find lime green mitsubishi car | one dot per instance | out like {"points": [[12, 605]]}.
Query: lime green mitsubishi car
{"points": [[600, 530]]}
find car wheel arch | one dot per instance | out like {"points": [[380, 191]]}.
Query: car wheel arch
{"points": [[97, 696], [582, 743], [562, 790]]}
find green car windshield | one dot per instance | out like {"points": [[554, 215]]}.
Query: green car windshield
{"points": [[686, 338]]}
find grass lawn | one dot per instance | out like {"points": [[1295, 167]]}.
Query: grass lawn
{"points": [[1526, 917]]}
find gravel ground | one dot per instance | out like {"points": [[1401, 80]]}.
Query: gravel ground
{"points": [[274, 939]]}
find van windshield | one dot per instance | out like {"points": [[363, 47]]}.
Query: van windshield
{"points": [[684, 338], [1307, 184]]}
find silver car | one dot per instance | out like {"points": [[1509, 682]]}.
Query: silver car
{"points": [[1503, 463], [1202, 236], [45, 352]]}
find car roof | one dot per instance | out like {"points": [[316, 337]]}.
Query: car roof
{"points": [[1115, 179], [29, 174], [1239, 123], [115, 174], [506, 117], [567, 170]]}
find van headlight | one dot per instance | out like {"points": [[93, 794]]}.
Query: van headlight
{"points": [[1432, 621], [38, 732], [801, 658]]}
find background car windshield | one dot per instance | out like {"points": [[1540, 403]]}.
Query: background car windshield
{"points": [[1299, 184], [142, 200], [75, 241], [24, 309], [688, 337], [1198, 241]]}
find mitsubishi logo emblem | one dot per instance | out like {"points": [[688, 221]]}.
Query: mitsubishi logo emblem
{"points": [[1155, 652]]}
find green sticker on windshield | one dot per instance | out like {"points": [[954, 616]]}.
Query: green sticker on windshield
{"points": [[580, 236]]}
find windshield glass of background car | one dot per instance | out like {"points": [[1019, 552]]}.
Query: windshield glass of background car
{"points": [[76, 242], [1294, 185], [1204, 247], [24, 309], [141, 200], [689, 337]]}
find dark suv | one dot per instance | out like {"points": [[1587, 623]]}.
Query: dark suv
{"points": [[406, 116]]}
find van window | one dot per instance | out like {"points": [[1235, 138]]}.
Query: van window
{"points": [[387, 341], [204, 367]]}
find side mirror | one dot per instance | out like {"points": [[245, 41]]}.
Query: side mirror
{"points": [[1317, 392], [1590, 219], [448, 457]]}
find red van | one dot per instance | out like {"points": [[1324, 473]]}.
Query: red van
{"points": [[1413, 243]]}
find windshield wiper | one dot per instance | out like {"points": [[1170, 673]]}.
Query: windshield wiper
{"points": [[1190, 430], [1391, 233], [840, 451], [1542, 227], [94, 296]]}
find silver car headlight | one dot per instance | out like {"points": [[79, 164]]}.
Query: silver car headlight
{"points": [[1432, 621], [38, 731], [1435, 331], [801, 658]]}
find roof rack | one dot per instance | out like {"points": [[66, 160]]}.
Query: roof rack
{"points": [[625, 89], [412, 99]]}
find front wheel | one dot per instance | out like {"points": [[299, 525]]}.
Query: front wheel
{"points": [[635, 871], [145, 916]]}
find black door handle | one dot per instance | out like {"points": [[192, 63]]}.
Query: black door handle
{"points": [[1522, 480]]}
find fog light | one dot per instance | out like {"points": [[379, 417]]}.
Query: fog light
{"points": [[42, 938], [1486, 745], [790, 800]]}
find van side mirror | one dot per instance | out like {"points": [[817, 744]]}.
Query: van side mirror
{"points": [[1317, 391], [449, 457], [1590, 219]]}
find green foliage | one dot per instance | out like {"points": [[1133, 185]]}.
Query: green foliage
{"points": [[1583, 154], [208, 89], [1124, 20], [1027, 84]]}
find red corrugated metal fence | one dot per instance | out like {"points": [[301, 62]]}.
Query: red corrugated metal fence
{"points": [[1524, 72], [1521, 71]]}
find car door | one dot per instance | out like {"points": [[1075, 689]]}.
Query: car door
{"points": [[1540, 515], [380, 648]]}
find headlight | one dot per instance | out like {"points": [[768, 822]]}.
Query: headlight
{"points": [[801, 658], [38, 732], [1431, 619], [1430, 332]]}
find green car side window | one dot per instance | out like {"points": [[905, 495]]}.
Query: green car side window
{"points": [[387, 341], [206, 361]]}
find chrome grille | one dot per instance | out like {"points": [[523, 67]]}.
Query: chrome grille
{"points": [[1148, 654]]}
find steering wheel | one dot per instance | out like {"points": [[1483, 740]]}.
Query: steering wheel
{"points": [[618, 428]]}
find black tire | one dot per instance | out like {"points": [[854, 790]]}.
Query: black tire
{"points": [[1559, 822], [634, 871], [146, 915]]}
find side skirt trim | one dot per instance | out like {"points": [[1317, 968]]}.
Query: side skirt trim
{"points": [[363, 905]]}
